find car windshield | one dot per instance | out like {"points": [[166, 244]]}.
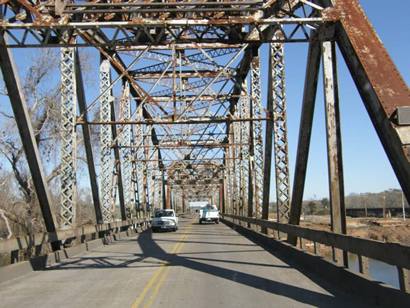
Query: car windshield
{"points": [[164, 214], [210, 208]]}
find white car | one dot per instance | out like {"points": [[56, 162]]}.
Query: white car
{"points": [[164, 220], [209, 213]]}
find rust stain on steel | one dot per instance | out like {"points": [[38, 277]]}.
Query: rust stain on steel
{"points": [[331, 14], [386, 80], [41, 19]]}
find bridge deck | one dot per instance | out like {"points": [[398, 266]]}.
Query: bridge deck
{"points": [[198, 266]]}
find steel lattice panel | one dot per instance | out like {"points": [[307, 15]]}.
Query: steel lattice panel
{"points": [[107, 160], [280, 132], [244, 127], [126, 151], [139, 157], [68, 138], [257, 134]]}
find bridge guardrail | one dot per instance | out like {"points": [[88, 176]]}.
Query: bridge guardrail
{"points": [[392, 253], [24, 242]]}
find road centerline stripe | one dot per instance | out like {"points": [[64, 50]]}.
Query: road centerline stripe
{"points": [[159, 275]]}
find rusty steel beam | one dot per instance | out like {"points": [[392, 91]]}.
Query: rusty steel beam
{"points": [[82, 105], [23, 121], [383, 76], [160, 4], [379, 83], [334, 143], [177, 122], [305, 132], [178, 46], [176, 74], [268, 144], [118, 165], [145, 22]]}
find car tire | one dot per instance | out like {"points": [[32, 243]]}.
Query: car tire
{"points": [[217, 221], [200, 221]]}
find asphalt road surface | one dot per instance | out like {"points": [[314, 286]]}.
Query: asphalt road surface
{"points": [[198, 266]]}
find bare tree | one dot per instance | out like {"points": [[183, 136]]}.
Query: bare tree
{"points": [[42, 92]]}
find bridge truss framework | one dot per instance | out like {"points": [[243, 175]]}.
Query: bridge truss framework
{"points": [[190, 117]]}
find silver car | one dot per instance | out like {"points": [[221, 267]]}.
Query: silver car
{"points": [[164, 220]]}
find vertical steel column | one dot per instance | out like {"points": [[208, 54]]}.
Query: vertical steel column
{"points": [[183, 200], [147, 147], [305, 131], [221, 198], [231, 180], [237, 163], [82, 106], [268, 141], [139, 158], [257, 133], [168, 199], [68, 138], [134, 173], [126, 157], [27, 136], [251, 164], [156, 181], [107, 161], [244, 126], [163, 191], [117, 164], [280, 132], [225, 181], [223, 210], [334, 146]]}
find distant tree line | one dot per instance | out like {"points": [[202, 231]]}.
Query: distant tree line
{"points": [[391, 198]]}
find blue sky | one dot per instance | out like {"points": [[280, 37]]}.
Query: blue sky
{"points": [[366, 166]]}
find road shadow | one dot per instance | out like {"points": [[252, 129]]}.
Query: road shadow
{"points": [[151, 248], [152, 255]]}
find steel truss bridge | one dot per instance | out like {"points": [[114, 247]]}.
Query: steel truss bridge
{"points": [[190, 124]]}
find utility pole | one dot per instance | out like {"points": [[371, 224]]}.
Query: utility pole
{"points": [[402, 204], [384, 204]]}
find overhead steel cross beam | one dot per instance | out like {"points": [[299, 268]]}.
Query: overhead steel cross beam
{"points": [[41, 27]]}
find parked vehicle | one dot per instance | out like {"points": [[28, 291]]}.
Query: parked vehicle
{"points": [[209, 213], [164, 220]]}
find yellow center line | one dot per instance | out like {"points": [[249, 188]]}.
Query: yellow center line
{"points": [[159, 276]]}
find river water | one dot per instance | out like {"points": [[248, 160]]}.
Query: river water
{"points": [[378, 271]]}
